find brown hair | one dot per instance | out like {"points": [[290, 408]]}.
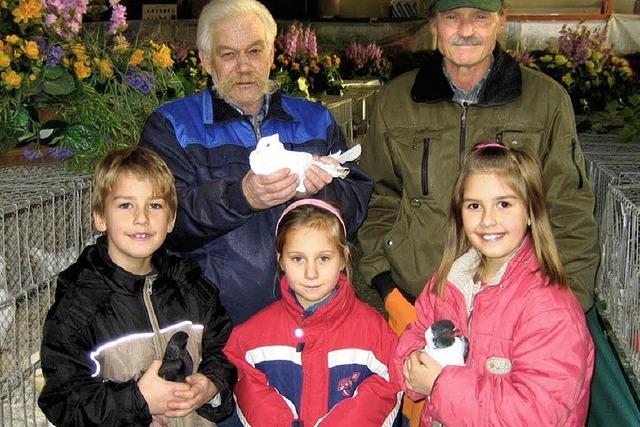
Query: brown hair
{"points": [[139, 162], [523, 174], [320, 219]]}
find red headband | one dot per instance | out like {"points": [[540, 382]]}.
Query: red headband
{"points": [[314, 202]]}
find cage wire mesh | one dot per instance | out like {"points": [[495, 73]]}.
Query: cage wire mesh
{"points": [[341, 110], [45, 222], [612, 169], [618, 286]]}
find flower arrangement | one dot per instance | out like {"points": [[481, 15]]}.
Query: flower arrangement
{"points": [[365, 61], [97, 91], [585, 64], [298, 66]]}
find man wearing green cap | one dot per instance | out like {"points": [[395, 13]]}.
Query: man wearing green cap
{"points": [[469, 91]]}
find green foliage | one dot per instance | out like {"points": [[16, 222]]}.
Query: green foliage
{"points": [[629, 111]]}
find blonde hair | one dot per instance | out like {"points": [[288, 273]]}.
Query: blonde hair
{"points": [[523, 174], [139, 162], [217, 11], [312, 216]]}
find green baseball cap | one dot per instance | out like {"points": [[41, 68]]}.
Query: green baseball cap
{"points": [[489, 5]]}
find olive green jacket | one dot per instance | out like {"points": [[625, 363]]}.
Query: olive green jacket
{"points": [[413, 151]]}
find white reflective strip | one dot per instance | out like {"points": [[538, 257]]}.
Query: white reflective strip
{"points": [[394, 413], [271, 353], [243, 419], [133, 337], [358, 356], [388, 422]]}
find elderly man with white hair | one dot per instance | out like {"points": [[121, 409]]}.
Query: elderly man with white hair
{"points": [[227, 214]]}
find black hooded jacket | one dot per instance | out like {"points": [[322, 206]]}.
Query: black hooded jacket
{"points": [[99, 338]]}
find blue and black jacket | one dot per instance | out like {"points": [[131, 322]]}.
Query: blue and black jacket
{"points": [[206, 143]]}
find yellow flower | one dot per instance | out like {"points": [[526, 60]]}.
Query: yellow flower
{"points": [[546, 58], [79, 51], [567, 79], [590, 65], [30, 49], [302, 85], [137, 57], [105, 67], [5, 60], [3, 4], [12, 39], [11, 79], [26, 10], [81, 70], [560, 59], [162, 57]]}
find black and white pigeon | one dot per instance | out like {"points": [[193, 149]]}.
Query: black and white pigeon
{"points": [[176, 363], [445, 344]]}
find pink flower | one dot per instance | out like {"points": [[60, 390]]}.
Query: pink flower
{"points": [[118, 19]]}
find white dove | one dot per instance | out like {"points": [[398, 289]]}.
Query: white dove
{"points": [[270, 155]]}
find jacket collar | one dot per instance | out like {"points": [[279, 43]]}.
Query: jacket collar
{"points": [[335, 310], [217, 110], [463, 270], [122, 280], [503, 84]]}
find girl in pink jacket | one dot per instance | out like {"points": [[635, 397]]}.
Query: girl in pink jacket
{"points": [[502, 283]]}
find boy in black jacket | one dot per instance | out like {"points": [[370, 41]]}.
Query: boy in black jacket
{"points": [[119, 305]]}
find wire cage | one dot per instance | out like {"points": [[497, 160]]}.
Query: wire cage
{"points": [[618, 287], [612, 169], [341, 109], [45, 222]]}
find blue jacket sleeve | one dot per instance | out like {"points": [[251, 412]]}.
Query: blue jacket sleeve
{"points": [[207, 209]]}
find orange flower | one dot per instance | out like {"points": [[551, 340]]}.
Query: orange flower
{"points": [[26, 10], [5, 60], [136, 57], [81, 70], [79, 51], [105, 67], [30, 49], [161, 56], [11, 79]]}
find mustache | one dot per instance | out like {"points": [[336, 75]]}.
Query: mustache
{"points": [[266, 86], [466, 41]]}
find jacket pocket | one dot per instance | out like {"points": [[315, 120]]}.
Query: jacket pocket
{"points": [[411, 158], [425, 166]]}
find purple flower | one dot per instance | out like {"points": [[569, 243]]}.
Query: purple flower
{"points": [[42, 43], [180, 52], [140, 81], [54, 55], [30, 154], [58, 153]]}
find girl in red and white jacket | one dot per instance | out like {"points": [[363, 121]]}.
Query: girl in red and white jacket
{"points": [[318, 356], [502, 284]]}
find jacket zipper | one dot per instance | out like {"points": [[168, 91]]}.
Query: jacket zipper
{"points": [[425, 166], [463, 129], [158, 340], [575, 164]]}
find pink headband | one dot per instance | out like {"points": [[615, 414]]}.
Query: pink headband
{"points": [[314, 202], [490, 144]]}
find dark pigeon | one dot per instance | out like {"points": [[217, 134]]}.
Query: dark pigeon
{"points": [[176, 363], [445, 344]]}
